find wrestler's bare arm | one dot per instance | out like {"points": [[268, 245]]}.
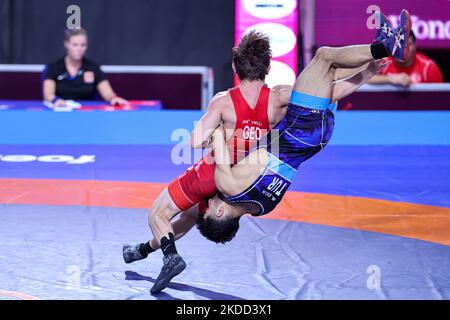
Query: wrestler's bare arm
{"points": [[282, 94], [277, 109], [223, 175], [233, 180], [211, 119]]}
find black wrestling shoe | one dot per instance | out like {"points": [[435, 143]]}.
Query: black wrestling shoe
{"points": [[173, 265], [132, 253]]}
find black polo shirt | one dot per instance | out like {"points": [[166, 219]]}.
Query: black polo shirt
{"points": [[83, 86]]}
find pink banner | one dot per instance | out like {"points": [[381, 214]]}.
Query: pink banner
{"points": [[345, 22], [279, 20]]}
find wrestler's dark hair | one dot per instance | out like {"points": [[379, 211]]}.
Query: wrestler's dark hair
{"points": [[218, 230], [252, 56]]}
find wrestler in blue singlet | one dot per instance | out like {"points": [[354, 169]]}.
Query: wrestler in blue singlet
{"points": [[305, 130]]}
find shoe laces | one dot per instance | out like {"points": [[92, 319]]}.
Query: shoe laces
{"points": [[387, 30]]}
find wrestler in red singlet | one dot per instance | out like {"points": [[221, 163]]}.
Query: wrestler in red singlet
{"points": [[197, 183]]}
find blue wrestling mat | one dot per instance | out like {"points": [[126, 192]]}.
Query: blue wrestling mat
{"points": [[73, 251]]}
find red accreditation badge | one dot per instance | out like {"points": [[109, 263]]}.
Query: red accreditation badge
{"points": [[88, 77]]}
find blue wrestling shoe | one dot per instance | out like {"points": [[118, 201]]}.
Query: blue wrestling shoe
{"points": [[398, 45], [173, 265], [386, 30], [132, 253]]}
